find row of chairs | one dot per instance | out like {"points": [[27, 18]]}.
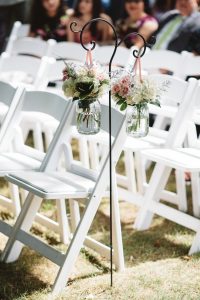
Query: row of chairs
{"points": [[74, 181]]}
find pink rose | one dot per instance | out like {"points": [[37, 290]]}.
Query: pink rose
{"points": [[116, 88]]}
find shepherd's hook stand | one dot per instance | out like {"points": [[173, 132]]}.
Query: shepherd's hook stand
{"points": [[136, 54]]}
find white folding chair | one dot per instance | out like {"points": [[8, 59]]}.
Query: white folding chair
{"points": [[19, 30], [30, 46], [23, 157], [68, 51], [172, 61], [24, 70], [182, 159], [9, 101], [121, 58], [76, 183]]}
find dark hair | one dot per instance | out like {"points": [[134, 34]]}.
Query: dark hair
{"points": [[39, 14], [97, 9], [147, 7], [164, 6]]}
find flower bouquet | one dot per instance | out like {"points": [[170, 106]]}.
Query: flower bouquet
{"points": [[86, 84], [134, 94]]}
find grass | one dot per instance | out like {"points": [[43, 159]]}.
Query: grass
{"points": [[157, 264]]}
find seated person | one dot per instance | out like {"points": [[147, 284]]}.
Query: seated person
{"points": [[180, 29], [84, 11], [49, 20], [138, 20]]}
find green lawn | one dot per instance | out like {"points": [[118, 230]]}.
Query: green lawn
{"points": [[157, 264]]}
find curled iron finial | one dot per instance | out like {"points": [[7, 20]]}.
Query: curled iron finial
{"points": [[74, 25], [93, 43], [136, 53]]}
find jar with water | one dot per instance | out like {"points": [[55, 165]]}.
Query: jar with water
{"points": [[137, 120], [88, 116]]}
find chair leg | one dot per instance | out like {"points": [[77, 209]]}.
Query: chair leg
{"points": [[74, 213], [76, 244], [26, 217], [195, 183], [63, 221], [140, 169], [94, 155], [37, 136], [130, 170], [195, 244], [156, 185], [83, 150], [181, 190], [14, 191]]}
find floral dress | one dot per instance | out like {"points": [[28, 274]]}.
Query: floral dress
{"points": [[52, 28], [124, 27]]}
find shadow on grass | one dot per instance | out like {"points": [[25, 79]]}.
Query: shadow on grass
{"points": [[17, 279], [161, 241]]}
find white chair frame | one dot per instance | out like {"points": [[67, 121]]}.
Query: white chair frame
{"points": [[31, 205]]}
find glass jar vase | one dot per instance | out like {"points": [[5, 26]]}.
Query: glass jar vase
{"points": [[88, 116], [137, 120]]}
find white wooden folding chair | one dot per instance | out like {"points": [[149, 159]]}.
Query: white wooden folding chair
{"points": [[30, 46], [9, 101], [19, 30], [103, 54], [76, 183], [23, 157], [24, 70], [182, 159], [172, 61], [68, 51]]}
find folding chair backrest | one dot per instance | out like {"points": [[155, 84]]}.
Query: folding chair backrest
{"points": [[180, 122], [163, 59], [35, 101], [173, 93], [68, 50], [104, 53], [191, 65], [33, 68], [12, 98], [69, 119], [31, 46]]}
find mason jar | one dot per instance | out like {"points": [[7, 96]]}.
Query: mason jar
{"points": [[137, 120], [88, 116]]}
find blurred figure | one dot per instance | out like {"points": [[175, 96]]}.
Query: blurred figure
{"points": [[84, 11], [138, 20], [49, 20], [10, 11], [180, 29], [160, 7]]}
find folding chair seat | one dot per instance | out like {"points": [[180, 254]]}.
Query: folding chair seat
{"points": [[76, 183]]}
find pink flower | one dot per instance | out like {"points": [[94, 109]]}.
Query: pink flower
{"points": [[125, 80], [100, 77], [124, 91], [65, 75], [116, 88]]}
